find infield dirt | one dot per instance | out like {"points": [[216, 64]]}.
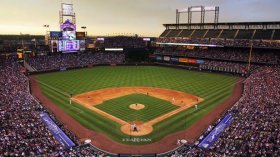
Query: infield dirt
{"points": [[93, 98]]}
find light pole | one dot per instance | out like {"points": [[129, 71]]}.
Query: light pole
{"points": [[84, 28], [47, 27]]}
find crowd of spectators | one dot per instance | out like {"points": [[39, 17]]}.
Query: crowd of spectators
{"points": [[253, 132], [223, 42], [22, 133], [242, 55], [239, 68], [255, 128], [62, 61]]}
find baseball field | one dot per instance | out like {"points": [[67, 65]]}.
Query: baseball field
{"points": [[146, 102]]}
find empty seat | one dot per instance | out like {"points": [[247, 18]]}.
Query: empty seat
{"points": [[276, 35], [186, 33], [263, 34], [244, 34], [174, 33], [165, 33], [199, 33], [213, 33], [229, 34]]}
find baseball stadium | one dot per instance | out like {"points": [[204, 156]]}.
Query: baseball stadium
{"points": [[203, 86]]}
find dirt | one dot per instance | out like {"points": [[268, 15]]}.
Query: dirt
{"points": [[93, 98], [166, 144], [96, 97], [137, 106]]}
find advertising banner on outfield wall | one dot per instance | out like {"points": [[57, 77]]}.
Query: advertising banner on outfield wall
{"points": [[211, 138], [199, 61], [192, 61], [61, 137], [183, 60], [166, 58], [152, 56], [159, 58], [174, 59]]}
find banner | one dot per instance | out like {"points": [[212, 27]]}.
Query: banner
{"points": [[190, 47], [166, 58], [159, 58], [183, 60], [192, 61], [173, 59], [203, 48], [90, 46], [210, 139], [61, 137], [152, 55], [199, 61]]}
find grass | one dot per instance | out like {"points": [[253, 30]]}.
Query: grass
{"points": [[119, 107], [213, 88]]}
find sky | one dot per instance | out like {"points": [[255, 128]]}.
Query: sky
{"points": [[112, 17]]}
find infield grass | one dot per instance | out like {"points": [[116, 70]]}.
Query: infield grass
{"points": [[119, 107], [213, 88]]}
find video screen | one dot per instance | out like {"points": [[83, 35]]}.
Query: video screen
{"points": [[69, 46], [55, 35], [69, 35], [67, 9]]}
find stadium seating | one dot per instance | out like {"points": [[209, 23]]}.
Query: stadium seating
{"points": [[255, 128], [199, 33], [254, 131], [228, 34], [212, 33], [124, 42], [165, 33], [244, 34], [258, 56], [22, 133], [62, 61], [173, 33], [263, 34], [276, 35], [224, 42], [186, 33]]}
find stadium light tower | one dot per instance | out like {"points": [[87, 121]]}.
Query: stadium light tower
{"points": [[201, 9], [85, 29], [47, 27]]}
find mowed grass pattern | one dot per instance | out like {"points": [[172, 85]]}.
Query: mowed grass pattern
{"points": [[119, 107], [213, 88]]}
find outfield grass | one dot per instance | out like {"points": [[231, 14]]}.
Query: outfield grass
{"points": [[213, 88], [119, 107]]}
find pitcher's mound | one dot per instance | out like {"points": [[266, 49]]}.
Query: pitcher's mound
{"points": [[137, 106]]}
